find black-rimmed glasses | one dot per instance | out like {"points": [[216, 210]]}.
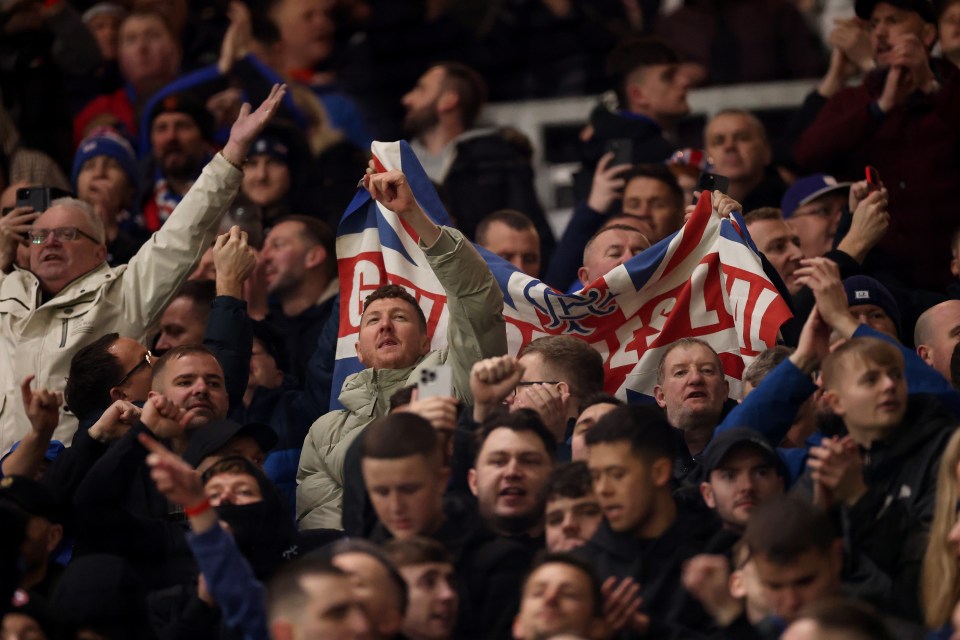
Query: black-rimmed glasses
{"points": [[146, 362]]}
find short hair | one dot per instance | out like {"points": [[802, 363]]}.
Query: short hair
{"points": [[569, 480], [359, 545], [93, 371], [873, 350], [766, 362], [552, 557], [520, 421], [516, 220], [469, 86], [572, 360], [175, 354], [645, 428], [399, 435], [317, 232], [147, 12], [416, 550], [849, 618], [685, 343], [763, 213], [201, 292], [601, 397], [749, 115], [611, 227], [633, 53], [96, 224], [235, 465], [658, 172], [285, 593], [389, 291], [784, 528]]}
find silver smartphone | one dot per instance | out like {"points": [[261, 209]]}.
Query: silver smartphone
{"points": [[435, 382]]}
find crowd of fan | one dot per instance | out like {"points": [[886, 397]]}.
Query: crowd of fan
{"points": [[170, 309]]}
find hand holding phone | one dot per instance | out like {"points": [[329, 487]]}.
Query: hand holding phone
{"points": [[873, 179], [711, 182], [435, 382]]}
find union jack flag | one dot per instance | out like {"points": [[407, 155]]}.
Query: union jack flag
{"points": [[704, 281]]}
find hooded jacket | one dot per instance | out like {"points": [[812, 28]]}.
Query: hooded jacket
{"points": [[886, 531], [475, 330]]}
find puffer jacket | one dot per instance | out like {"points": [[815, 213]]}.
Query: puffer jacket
{"points": [[475, 330]]}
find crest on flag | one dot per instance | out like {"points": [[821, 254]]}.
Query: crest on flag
{"points": [[705, 281]]}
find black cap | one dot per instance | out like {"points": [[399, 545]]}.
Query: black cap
{"points": [[189, 105], [209, 439], [924, 8], [31, 497], [725, 442]]}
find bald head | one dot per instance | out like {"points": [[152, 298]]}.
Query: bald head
{"points": [[937, 333]]}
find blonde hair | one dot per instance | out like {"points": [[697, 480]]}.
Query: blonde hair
{"points": [[320, 133], [940, 583]]}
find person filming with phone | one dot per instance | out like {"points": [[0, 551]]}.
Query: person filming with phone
{"points": [[394, 346]]}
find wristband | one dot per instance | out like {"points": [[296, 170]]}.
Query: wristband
{"points": [[238, 167], [198, 509]]}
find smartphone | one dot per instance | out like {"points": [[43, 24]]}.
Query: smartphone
{"points": [[622, 150], [711, 182], [39, 198], [435, 382], [873, 179]]}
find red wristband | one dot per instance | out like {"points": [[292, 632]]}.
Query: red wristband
{"points": [[198, 509]]}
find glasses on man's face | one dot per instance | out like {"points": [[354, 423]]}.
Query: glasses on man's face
{"points": [[63, 234], [146, 362], [527, 383]]}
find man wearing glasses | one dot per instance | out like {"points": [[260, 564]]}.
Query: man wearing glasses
{"points": [[69, 296]]}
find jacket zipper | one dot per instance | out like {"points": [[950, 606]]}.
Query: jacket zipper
{"points": [[63, 333]]}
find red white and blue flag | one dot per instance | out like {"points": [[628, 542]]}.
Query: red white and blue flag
{"points": [[704, 281]]}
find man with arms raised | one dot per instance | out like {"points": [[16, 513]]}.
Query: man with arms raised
{"points": [[394, 346], [72, 295]]}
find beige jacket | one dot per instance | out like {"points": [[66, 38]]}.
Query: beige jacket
{"points": [[41, 337], [475, 330]]}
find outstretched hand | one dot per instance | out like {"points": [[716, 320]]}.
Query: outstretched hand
{"points": [[175, 479], [250, 123]]}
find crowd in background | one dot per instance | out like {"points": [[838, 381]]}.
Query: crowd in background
{"points": [[178, 464]]}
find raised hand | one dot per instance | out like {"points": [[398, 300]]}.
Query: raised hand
{"points": [[823, 277], [249, 125], [13, 229], [871, 219], [607, 184], [234, 261], [175, 479], [236, 41], [164, 418], [391, 189], [548, 400], [836, 468], [115, 421], [42, 407], [491, 381]]}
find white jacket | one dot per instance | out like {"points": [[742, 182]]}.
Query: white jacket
{"points": [[41, 338]]}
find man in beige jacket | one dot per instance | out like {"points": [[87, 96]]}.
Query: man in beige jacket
{"points": [[69, 296], [394, 346]]}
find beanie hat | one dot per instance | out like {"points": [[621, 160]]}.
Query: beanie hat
{"points": [[189, 105], [809, 189], [865, 290], [104, 141]]}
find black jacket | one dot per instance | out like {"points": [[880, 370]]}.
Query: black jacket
{"points": [[656, 566], [649, 145], [886, 531], [492, 172]]}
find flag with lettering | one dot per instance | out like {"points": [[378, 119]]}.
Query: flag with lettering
{"points": [[705, 281]]}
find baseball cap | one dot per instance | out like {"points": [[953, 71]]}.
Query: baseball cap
{"points": [[31, 497], [808, 189], [723, 443], [864, 8], [211, 438]]}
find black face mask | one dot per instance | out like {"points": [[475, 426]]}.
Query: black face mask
{"points": [[260, 535]]}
